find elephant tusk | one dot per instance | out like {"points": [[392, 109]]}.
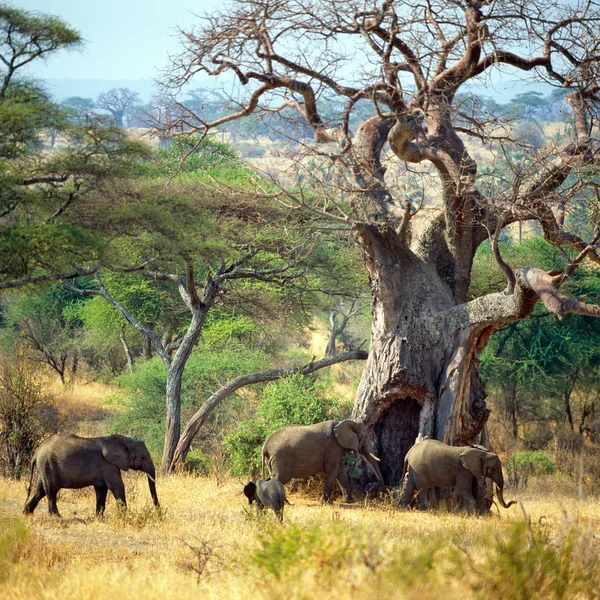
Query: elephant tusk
{"points": [[370, 465], [151, 478], [374, 457]]}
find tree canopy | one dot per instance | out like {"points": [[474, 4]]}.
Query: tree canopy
{"points": [[403, 178]]}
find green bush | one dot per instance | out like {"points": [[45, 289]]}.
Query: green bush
{"points": [[296, 400], [526, 463], [142, 392], [535, 463]]}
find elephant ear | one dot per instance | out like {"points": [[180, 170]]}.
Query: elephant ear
{"points": [[346, 435], [115, 452], [473, 460]]}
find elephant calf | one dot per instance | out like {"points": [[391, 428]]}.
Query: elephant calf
{"points": [[268, 493], [70, 461], [430, 464]]}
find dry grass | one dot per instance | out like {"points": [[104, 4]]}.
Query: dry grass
{"points": [[207, 543], [81, 406]]}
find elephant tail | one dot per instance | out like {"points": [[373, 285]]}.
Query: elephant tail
{"points": [[263, 460], [31, 469]]}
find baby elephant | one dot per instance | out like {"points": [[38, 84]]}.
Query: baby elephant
{"points": [[268, 493]]}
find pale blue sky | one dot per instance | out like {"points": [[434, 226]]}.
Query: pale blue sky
{"points": [[132, 39], [125, 39]]}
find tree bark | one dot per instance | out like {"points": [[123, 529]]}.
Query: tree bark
{"points": [[422, 376], [127, 350]]}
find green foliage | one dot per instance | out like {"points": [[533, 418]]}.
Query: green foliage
{"points": [[221, 327], [532, 463], [289, 552], [191, 155], [296, 400], [540, 369], [38, 186], [13, 533], [46, 322], [142, 393]]}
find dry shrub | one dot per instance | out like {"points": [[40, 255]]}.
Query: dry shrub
{"points": [[27, 413], [578, 458]]}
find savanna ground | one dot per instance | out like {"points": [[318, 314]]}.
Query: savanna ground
{"points": [[206, 542]]}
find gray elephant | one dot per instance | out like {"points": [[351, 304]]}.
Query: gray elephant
{"points": [[430, 464], [305, 450], [268, 493], [70, 461]]}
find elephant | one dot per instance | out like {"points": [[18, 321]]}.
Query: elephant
{"points": [[430, 464], [305, 450], [69, 461], [268, 493]]}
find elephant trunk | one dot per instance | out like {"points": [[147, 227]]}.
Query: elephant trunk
{"points": [[500, 497], [151, 473], [499, 481]]}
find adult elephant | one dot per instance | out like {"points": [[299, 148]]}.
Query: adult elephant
{"points": [[70, 461], [305, 450], [430, 464]]}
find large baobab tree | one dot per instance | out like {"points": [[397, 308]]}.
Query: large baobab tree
{"points": [[117, 101], [399, 72]]}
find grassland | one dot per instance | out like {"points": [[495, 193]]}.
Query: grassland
{"points": [[207, 543]]}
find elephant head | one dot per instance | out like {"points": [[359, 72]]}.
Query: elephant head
{"points": [[482, 463], [355, 436], [127, 453]]}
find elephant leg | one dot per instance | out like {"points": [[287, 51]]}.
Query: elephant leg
{"points": [[52, 508], [424, 503], [330, 478], [114, 483], [38, 495], [408, 488], [101, 492], [463, 487], [342, 478]]}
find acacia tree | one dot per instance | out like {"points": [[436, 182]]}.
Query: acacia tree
{"points": [[399, 67], [40, 192]]}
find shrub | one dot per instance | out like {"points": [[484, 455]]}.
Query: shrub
{"points": [[296, 400], [527, 563], [27, 414], [142, 392], [526, 463]]}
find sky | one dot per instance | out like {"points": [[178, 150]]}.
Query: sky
{"points": [[125, 39], [128, 42]]}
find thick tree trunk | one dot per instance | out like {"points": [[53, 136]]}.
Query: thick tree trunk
{"points": [[422, 375]]}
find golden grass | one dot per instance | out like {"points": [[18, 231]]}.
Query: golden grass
{"points": [[81, 405], [207, 543]]}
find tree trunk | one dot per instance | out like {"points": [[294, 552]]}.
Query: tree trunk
{"points": [[173, 419], [147, 348], [175, 376], [127, 351], [422, 375]]}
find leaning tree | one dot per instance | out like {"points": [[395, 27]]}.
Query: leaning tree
{"points": [[399, 73]]}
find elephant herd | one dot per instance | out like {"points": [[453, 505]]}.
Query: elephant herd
{"points": [[295, 451]]}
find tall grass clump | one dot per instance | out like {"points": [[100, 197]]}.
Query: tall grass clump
{"points": [[528, 563]]}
